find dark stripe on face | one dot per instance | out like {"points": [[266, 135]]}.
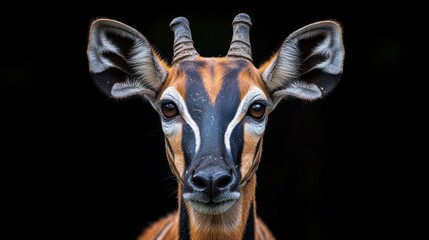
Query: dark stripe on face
{"points": [[188, 144], [249, 232], [212, 120], [237, 141], [184, 223]]}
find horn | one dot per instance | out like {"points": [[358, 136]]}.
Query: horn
{"points": [[183, 44], [240, 45]]}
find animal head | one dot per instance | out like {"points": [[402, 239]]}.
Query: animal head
{"points": [[214, 110]]}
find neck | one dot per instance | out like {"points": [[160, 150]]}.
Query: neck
{"points": [[237, 223]]}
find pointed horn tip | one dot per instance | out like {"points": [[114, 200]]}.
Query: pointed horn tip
{"points": [[179, 20], [242, 18]]}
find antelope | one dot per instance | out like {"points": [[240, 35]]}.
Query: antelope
{"points": [[213, 112]]}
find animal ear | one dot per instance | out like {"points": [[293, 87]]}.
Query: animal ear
{"points": [[309, 63], [122, 62]]}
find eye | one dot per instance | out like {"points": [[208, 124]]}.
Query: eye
{"points": [[257, 110], [169, 109]]}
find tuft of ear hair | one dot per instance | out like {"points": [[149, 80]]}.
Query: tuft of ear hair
{"points": [[122, 62], [308, 64]]}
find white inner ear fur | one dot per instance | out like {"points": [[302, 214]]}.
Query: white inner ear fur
{"points": [[97, 62], [331, 48], [171, 126], [284, 70], [253, 127], [99, 44], [284, 66], [146, 65], [142, 59], [128, 88], [300, 90]]}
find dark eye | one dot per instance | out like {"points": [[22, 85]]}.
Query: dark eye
{"points": [[257, 110], [169, 109]]}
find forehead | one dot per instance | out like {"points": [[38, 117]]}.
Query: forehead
{"points": [[214, 77]]}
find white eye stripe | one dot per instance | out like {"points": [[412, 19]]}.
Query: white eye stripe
{"points": [[171, 94], [253, 95]]}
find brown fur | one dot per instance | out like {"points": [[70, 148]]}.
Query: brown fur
{"points": [[176, 158], [166, 227], [213, 227], [148, 75], [212, 73], [248, 77], [213, 78], [176, 79], [248, 154], [231, 224]]}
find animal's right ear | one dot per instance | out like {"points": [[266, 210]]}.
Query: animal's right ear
{"points": [[122, 62]]}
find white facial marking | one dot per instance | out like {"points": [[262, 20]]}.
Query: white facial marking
{"points": [[219, 205], [255, 128], [253, 95], [170, 127], [211, 209]]}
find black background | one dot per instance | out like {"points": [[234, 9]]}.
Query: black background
{"points": [[78, 164]]}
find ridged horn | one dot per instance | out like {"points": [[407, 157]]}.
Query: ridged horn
{"points": [[240, 45], [183, 45]]}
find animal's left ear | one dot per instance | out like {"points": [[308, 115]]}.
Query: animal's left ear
{"points": [[309, 63]]}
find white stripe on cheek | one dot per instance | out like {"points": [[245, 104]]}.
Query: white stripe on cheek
{"points": [[253, 95], [171, 94]]}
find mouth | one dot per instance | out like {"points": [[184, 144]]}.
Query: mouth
{"points": [[216, 206]]}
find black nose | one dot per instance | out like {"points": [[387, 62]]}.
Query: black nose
{"points": [[212, 180]]}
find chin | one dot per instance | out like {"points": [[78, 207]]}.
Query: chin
{"points": [[212, 208], [217, 206]]}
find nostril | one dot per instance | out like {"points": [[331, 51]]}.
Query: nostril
{"points": [[211, 181], [198, 182], [223, 181]]}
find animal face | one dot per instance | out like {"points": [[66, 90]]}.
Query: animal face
{"points": [[214, 110], [213, 113]]}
